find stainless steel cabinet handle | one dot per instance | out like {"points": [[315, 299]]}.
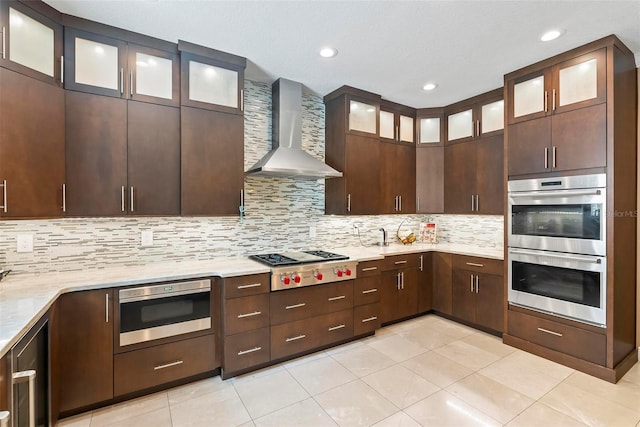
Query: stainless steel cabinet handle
{"points": [[168, 365], [28, 377], [559, 256], [369, 319], [62, 69], [553, 157], [348, 202], [337, 298], [106, 308], [546, 97], [4, 418], [253, 285], [471, 288], [477, 203], [553, 100], [299, 337], [397, 134], [477, 283], [4, 44], [398, 281], [132, 199], [402, 280], [400, 203], [253, 350], [395, 207], [562, 193], [558, 334], [370, 269], [121, 80], [289, 307], [421, 263], [4, 196], [474, 264], [242, 100], [546, 157], [417, 203], [472, 203], [335, 328], [369, 291], [478, 128], [400, 262], [122, 198], [255, 313], [131, 83], [64, 197]]}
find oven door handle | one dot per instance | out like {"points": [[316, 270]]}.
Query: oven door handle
{"points": [[28, 377], [585, 259], [562, 193]]}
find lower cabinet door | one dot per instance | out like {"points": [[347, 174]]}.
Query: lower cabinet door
{"points": [[366, 318], [463, 305], [336, 326], [152, 366], [242, 351]]}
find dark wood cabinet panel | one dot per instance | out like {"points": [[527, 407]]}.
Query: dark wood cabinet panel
{"points": [[84, 349], [302, 303], [460, 177], [490, 175], [399, 294], [367, 290], [366, 319], [442, 282], [528, 147], [212, 162], [153, 159], [490, 301], [142, 369], [242, 286], [387, 177], [406, 178], [430, 179], [361, 175], [4, 384], [245, 314], [425, 282], [242, 351], [96, 154], [32, 146], [463, 304]]}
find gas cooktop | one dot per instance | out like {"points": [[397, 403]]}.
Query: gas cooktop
{"points": [[296, 258]]}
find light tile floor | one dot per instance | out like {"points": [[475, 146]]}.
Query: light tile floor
{"points": [[427, 371]]}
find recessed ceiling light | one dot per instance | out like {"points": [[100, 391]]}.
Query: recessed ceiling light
{"points": [[328, 52], [429, 86], [550, 35]]}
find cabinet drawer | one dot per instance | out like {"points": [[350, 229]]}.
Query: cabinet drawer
{"points": [[245, 314], [302, 335], [369, 268], [152, 366], [478, 264], [243, 286], [247, 349], [366, 290], [366, 318], [303, 303], [401, 261], [567, 339]]}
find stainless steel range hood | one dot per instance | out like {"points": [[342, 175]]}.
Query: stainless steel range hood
{"points": [[287, 159]]}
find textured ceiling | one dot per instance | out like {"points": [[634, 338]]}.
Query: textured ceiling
{"points": [[388, 47]]}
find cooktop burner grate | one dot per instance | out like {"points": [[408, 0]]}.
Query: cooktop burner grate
{"points": [[327, 255], [274, 259]]}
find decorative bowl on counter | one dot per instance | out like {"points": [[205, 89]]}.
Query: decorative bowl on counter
{"points": [[407, 239]]}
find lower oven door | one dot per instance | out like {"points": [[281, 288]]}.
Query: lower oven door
{"points": [[153, 312], [567, 285]]}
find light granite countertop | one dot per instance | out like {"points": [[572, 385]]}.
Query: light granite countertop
{"points": [[25, 298]]}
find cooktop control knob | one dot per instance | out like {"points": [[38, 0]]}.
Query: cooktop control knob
{"points": [[347, 272], [338, 272], [285, 279], [296, 278], [317, 275]]}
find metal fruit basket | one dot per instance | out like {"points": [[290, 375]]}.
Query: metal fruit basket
{"points": [[406, 239]]}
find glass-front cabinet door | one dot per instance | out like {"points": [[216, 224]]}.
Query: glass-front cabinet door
{"points": [[362, 118], [580, 82], [153, 75], [388, 125], [95, 63], [529, 97], [406, 132], [491, 118], [430, 131], [460, 126], [31, 42]]}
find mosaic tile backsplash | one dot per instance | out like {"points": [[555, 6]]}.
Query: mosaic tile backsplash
{"points": [[281, 213]]}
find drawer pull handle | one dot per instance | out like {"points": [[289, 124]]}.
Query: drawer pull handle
{"points": [[400, 262], [253, 285], [474, 264], [289, 307], [369, 319], [337, 298], [255, 313], [368, 291], [558, 334], [299, 337], [168, 365], [335, 328], [370, 269], [240, 353]]}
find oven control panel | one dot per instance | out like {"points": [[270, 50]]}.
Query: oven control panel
{"points": [[312, 274]]}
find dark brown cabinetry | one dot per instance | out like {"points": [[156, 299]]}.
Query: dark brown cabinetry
{"points": [[399, 298], [478, 291], [32, 138], [4, 384], [430, 160], [557, 115], [397, 178], [425, 282], [212, 132], [245, 323], [473, 165], [83, 349], [442, 282], [367, 290]]}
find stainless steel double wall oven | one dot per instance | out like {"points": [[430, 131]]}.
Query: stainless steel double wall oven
{"points": [[557, 246]]}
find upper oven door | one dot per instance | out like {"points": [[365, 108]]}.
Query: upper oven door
{"points": [[560, 220]]}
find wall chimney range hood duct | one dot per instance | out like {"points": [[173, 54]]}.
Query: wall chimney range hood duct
{"points": [[287, 159]]}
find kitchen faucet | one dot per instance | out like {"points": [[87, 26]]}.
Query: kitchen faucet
{"points": [[384, 238]]}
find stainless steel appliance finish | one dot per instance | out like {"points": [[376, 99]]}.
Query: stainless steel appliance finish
{"points": [[562, 214], [567, 285], [287, 159], [297, 269], [159, 311]]}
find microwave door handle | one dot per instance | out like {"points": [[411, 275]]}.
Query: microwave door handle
{"points": [[584, 259], [563, 193]]}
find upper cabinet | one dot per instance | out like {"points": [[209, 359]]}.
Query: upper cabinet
{"points": [[430, 161], [31, 40], [430, 127], [104, 62], [397, 123], [211, 79], [475, 118], [557, 113]]}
